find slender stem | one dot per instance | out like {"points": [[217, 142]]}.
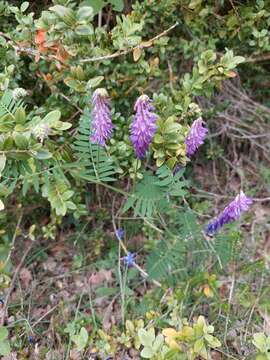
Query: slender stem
{"points": [[142, 45], [92, 307], [121, 285], [229, 306], [16, 273], [100, 18], [135, 174], [141, 270], [13, 240], [75, 318]]}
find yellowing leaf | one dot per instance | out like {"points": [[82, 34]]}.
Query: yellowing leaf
{"points": [[137, 52], [169, 332], [146, 44], [173, 345], [207, 291], [231, 74]]}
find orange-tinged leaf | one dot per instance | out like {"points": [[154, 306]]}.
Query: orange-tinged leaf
{"points": [[173, 345], [47, 77], [169, 332], [207, 291], [42, 49], [40, 37], [62, 54], [231, 74]]}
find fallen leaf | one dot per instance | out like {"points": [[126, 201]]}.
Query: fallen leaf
{"points": [[25, 276], [11, 356], [74, 354], [49, 264], [215, 355], [100, 277]]}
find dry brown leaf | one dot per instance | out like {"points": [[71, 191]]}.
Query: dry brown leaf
{"points": [[74, 354], [25, 276], [11, 356], [266, 318], [137, 52], [49, 264], [215, 355], [100, 277]]}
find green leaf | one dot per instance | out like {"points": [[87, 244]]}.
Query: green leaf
{"points": [[146, 336], [80, 339], [61, 125], [94, 82], [52, 117], [147, 353], [3, 41], [84, 30], [3, 333], [43, 154], [24, 6], [259, 340], [75, 84], [4, 348], [65, 13], [21, 141], [212, 341], [2, 162], [68, 194], [85, 12], [198, 346], [96, 164], [158, 342], [105, 291], [194, 3], [97, 5], [20, 115], [118, 5]]}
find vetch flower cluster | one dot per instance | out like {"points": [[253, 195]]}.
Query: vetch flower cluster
{"points": [[142, 131], [144, 126], [231, 213], [196, 136], [102, 126]]}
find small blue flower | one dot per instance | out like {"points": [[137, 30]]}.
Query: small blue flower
{"points": [[129, 259], [120, 233], [31, 339], [177, 169]]}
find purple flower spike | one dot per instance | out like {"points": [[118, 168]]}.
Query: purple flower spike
{"points": [[196, 136], [102, 126], [231, 213], [143, 127]]}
